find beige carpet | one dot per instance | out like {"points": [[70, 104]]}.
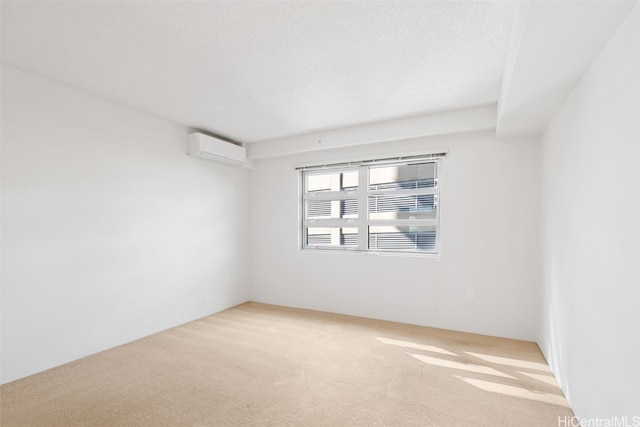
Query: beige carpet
{"points": [[258, 364]]}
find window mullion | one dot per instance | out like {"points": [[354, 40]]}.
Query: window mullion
{"points": [[330, 195], [363, 209], [407, 192]]}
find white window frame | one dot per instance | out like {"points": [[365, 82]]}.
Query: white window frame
{"points": [[362, 194]]}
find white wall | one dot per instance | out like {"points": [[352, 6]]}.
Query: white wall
{"points": [[591, 228], [490, 230], [110, 232]]}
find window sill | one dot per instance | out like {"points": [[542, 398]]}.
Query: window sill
{"points": [[372, 253]]}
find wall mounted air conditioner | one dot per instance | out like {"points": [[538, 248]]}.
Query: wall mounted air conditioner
{"points": [[209, 148]]}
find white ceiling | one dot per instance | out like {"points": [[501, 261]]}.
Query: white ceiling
{"points": [[255, 71]]}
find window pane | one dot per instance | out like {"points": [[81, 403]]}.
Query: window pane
{"points": [[332, 236], [418, 206], [331, 209], [334, 181], [403, 238], [402, 177]]}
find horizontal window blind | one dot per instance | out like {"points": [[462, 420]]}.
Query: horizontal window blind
{"points": [[391, 203], [410, 240]]}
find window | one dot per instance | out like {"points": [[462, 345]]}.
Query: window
{"points": [[388, 205]]}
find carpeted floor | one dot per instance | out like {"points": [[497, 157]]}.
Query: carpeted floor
{"points": [[257, 364]]}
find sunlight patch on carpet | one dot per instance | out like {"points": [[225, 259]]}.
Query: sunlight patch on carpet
{"points": [[547, 379], [510, 362], [463, 366], [509, 390], [415, 346]]}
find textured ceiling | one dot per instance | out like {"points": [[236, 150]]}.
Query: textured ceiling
{"points": [[253, 71]]}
